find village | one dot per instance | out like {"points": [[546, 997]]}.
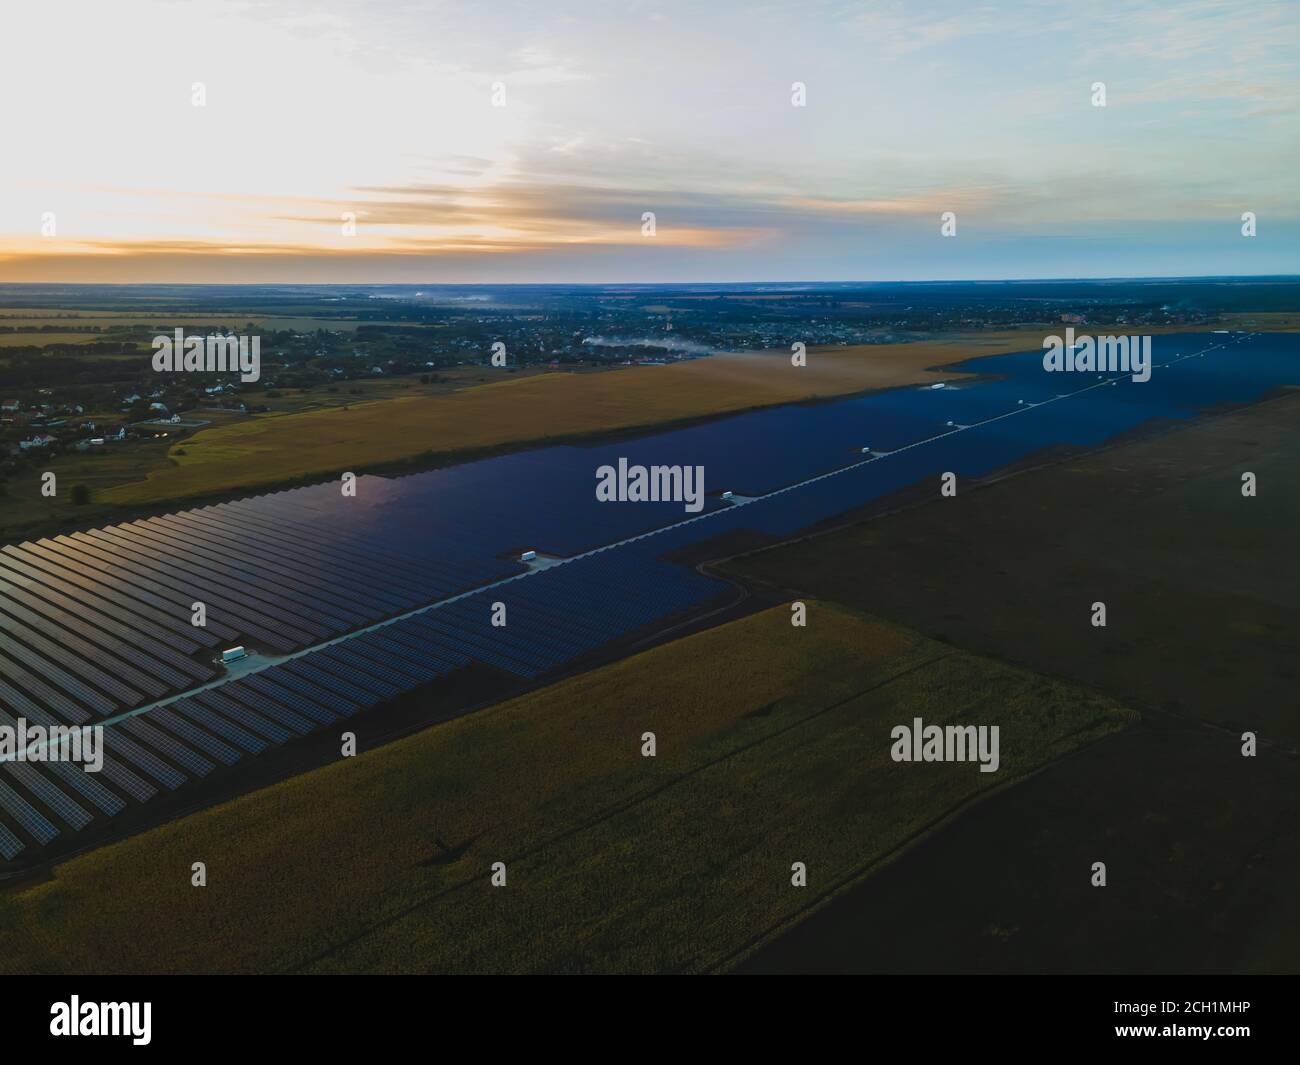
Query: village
{"points": [[46, 426]]}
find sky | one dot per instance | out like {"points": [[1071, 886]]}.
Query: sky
{"points": [[497, 141]]}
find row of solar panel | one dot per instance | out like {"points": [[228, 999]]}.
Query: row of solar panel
{"points": [[543, 499], [353, 535], [101, 621]]}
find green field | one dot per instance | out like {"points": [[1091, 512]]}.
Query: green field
{"points": [[773, 748]]}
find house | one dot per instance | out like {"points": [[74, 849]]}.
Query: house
{"points": [[37, 441], [9, 406]]}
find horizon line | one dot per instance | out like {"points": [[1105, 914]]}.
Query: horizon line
{"points": [[646, 284]]}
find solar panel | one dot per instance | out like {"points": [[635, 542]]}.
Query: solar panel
{"points": [[214, 722], [341, 663], [250, 719], [137, 755], [192, 734], [238, 610], [48, 671], [286, 571], [76, 646], [59, 607], [395, 672], [236, 695], [36, 824], [90, 788], [376, 644], [128, 570], [310, 700], [446, 634], [76, 664], [189, 760], [32, 779], [420, 640], [396, 573], [300, 562], [133, 785], [258, 590], [61, 704], [10, 845], [123, 599], [260, 599], [303, 667], [110, 653]]}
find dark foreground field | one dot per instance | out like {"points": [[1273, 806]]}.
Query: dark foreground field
{"points": [[1202, 854], [1202, 845]]}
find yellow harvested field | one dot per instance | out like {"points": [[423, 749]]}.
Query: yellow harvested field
{"points": [[268, 449], [38, 339]]}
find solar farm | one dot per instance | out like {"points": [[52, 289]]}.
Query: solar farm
{"points": [[345, 602]]}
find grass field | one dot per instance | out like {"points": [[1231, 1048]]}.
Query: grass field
{"points": [[772, 748]]}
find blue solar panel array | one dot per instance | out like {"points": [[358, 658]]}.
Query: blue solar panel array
{"points": [[95, 625]]}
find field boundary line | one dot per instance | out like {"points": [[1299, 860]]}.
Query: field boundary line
{"points": [[862, 873]]}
